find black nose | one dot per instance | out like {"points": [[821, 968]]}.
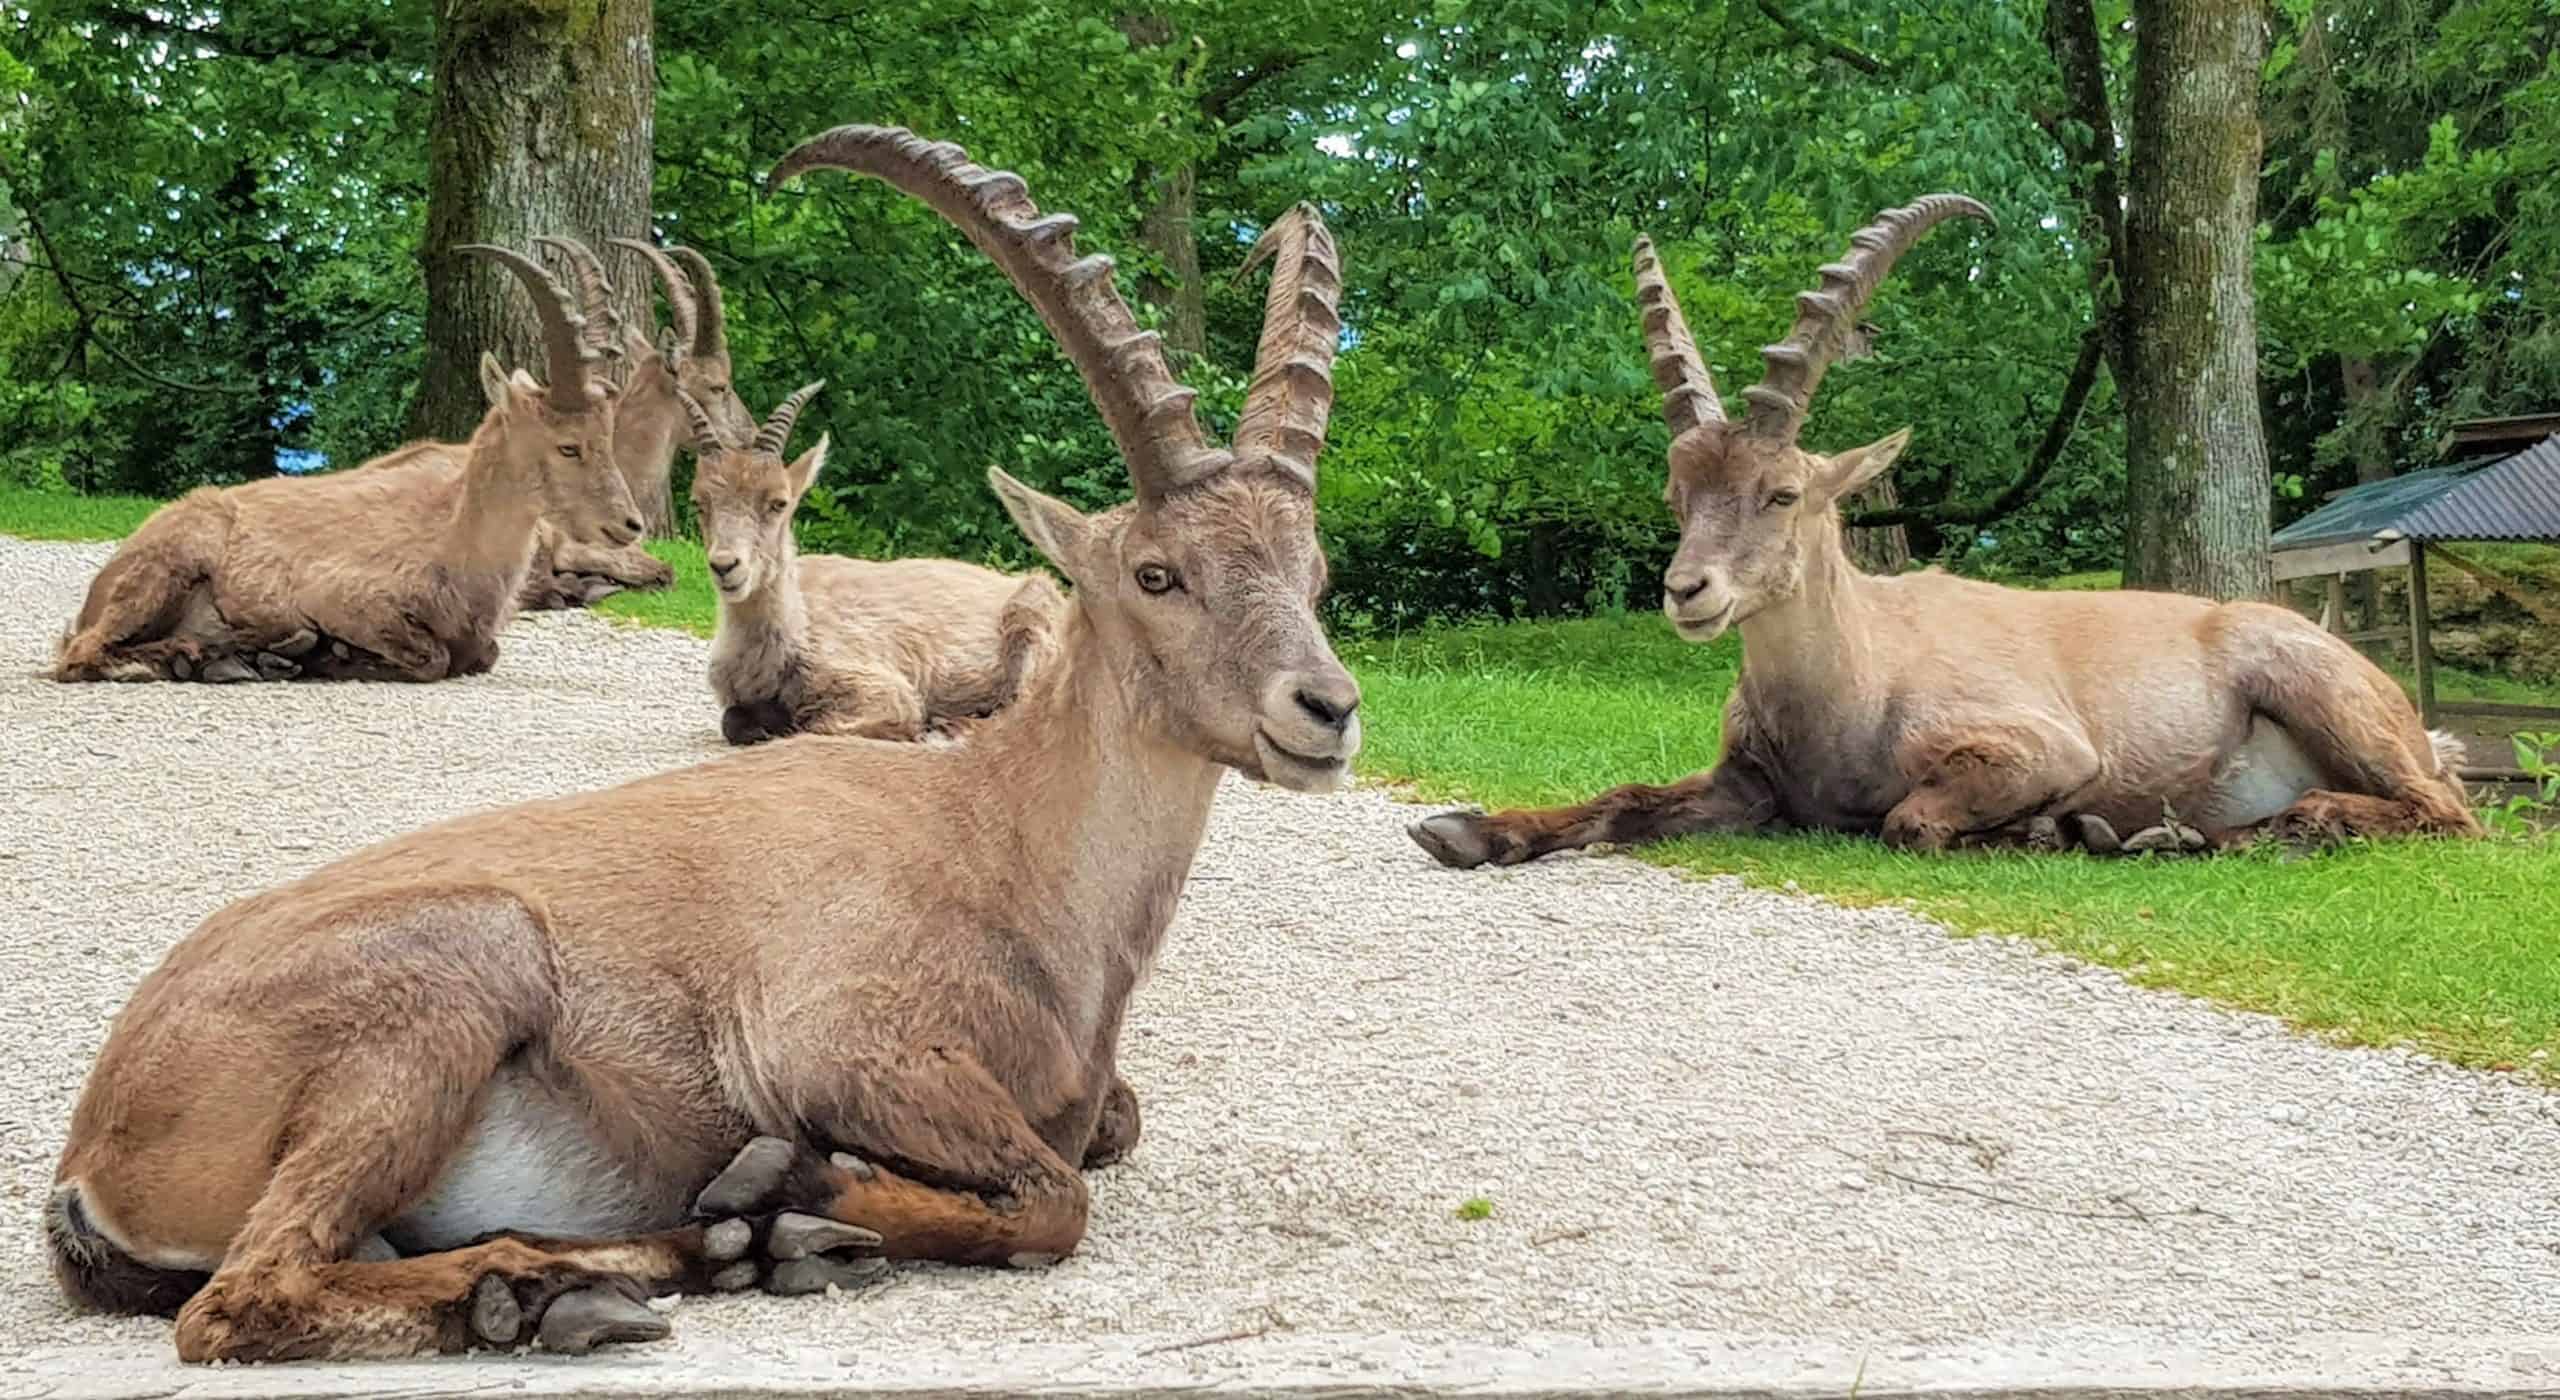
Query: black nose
{"points": [[634, 524], [723, 570], [1683, 592], [1331, 711]]}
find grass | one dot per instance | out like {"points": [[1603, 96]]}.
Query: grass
{"points": [[2450, 947]]}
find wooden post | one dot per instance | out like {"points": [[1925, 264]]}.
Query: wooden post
{"points": [[2420, 656], [2333, 613]]}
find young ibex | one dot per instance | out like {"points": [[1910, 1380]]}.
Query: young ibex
{"points": [[1936, 710], [882, 982], [368, 574], [828, 645]]}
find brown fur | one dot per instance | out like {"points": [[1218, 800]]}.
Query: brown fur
{"points": [[1936, 711], [410, 574], [828, 645], [573, 1012]]}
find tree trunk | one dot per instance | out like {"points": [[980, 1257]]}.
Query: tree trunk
{"points": [[2369, 445], [1170, 197], [1884, 549], [543, 122], [2198, 493]]}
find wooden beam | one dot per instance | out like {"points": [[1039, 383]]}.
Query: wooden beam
{"points": [[2421, 655], [2333, 608], [2485, 710], [2348, 557]]}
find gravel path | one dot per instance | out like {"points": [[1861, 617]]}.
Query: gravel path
{"points": [[1696, 1109]]}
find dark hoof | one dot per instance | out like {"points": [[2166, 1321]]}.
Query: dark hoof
{"points": [[297, 644], [272, 667], [1455, 839], [851, 1165], [2098, 834], [797, 1236], [181, 668], [227, 670], [577, 1323], [2044, 834], [591, 590], [496, 1317], [2172, 837], [736, 1278], [817, 1272], [750, 1180]]}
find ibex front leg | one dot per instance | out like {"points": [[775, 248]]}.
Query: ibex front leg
{"points": [[1730, 797]]}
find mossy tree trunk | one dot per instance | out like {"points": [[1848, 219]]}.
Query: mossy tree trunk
{"points": [[544, 113], [2196, 478]]}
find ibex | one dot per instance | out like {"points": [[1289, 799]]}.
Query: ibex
{"points": [[691, 359], [828, 645], [573, 566], [1935, 710], [372, 574], [883, 983]]}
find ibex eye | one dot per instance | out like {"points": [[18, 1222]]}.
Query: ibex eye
{"points": [[569, 450], [775, 507], [1784, 498], [1155, 578]]}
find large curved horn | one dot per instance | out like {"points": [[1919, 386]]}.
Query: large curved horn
{"points": [[1291, 397], [680, 311], [1828, 315], [776, 431], [602, 328], [706, 438], [561, 336], [1148, 411], [711, 322], [1688, 391]]}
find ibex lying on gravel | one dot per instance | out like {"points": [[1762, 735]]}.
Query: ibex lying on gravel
{"points": [[371, 574], [883, 983], [692, 359], [829, 645], [1936, 710]]}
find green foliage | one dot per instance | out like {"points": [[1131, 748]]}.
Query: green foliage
{"points": [[233, 190], [2538, 755]]}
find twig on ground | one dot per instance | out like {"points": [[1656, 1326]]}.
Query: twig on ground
{"points": [[1272, 1322], [1560, 1236], [1997, 1199], [1985, 1154]]}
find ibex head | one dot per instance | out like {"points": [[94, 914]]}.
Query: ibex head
{"points": [[560, 437], [1751, 503], [692, 355], [744, 496], [1202, 591]]}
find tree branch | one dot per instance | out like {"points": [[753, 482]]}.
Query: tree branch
{"points": [[2057, 436], [1829, 48], [2071, 32], [84, 322]]}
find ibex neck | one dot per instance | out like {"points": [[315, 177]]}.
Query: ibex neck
{"points": [[1102, 800], [496, 510], [1817, 645], [776, 608]]}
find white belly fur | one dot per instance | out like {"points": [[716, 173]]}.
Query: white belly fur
{"points": [[529, 1164], [2260, 778]]}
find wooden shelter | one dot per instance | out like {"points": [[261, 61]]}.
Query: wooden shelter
{"points": [[2507, 490]]}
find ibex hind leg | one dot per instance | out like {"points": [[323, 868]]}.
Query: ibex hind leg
{"points": [[129, 624], [2381, 770], [462, 980], [1724, 799]]}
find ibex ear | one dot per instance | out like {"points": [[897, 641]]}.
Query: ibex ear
{"points": [[1054, 528], [635, 346], [1860, 465], [804, 472], [493, 380]]}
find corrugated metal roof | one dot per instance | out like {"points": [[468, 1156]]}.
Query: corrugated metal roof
{"points": [[2514, 498]]}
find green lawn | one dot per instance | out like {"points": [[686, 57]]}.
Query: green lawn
{"points": [[2453, 947]]}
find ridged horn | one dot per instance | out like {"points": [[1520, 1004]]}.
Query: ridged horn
{"points": [[710, 319], [706, 438], [680, 313], [562, 336], [1826, 315], [1679, 371], [1291, 397], [602, 328], [776, 431], [1148, 411]]}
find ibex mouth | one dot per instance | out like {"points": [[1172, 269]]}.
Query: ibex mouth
{"points": [[1299, 772], [1702, 629]]}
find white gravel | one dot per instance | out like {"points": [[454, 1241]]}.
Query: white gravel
{"points": [[1695, 1109]]}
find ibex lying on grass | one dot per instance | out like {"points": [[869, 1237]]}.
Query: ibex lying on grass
{"points": [[903, 965], [572, 566], [829, 645], [1936, 710], [372, 574]]}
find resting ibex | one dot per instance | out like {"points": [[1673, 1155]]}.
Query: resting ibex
{"points": [[1934, 709], [691, 359], [374, 574], [573, 565], [882, 982], [828, 645]]}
